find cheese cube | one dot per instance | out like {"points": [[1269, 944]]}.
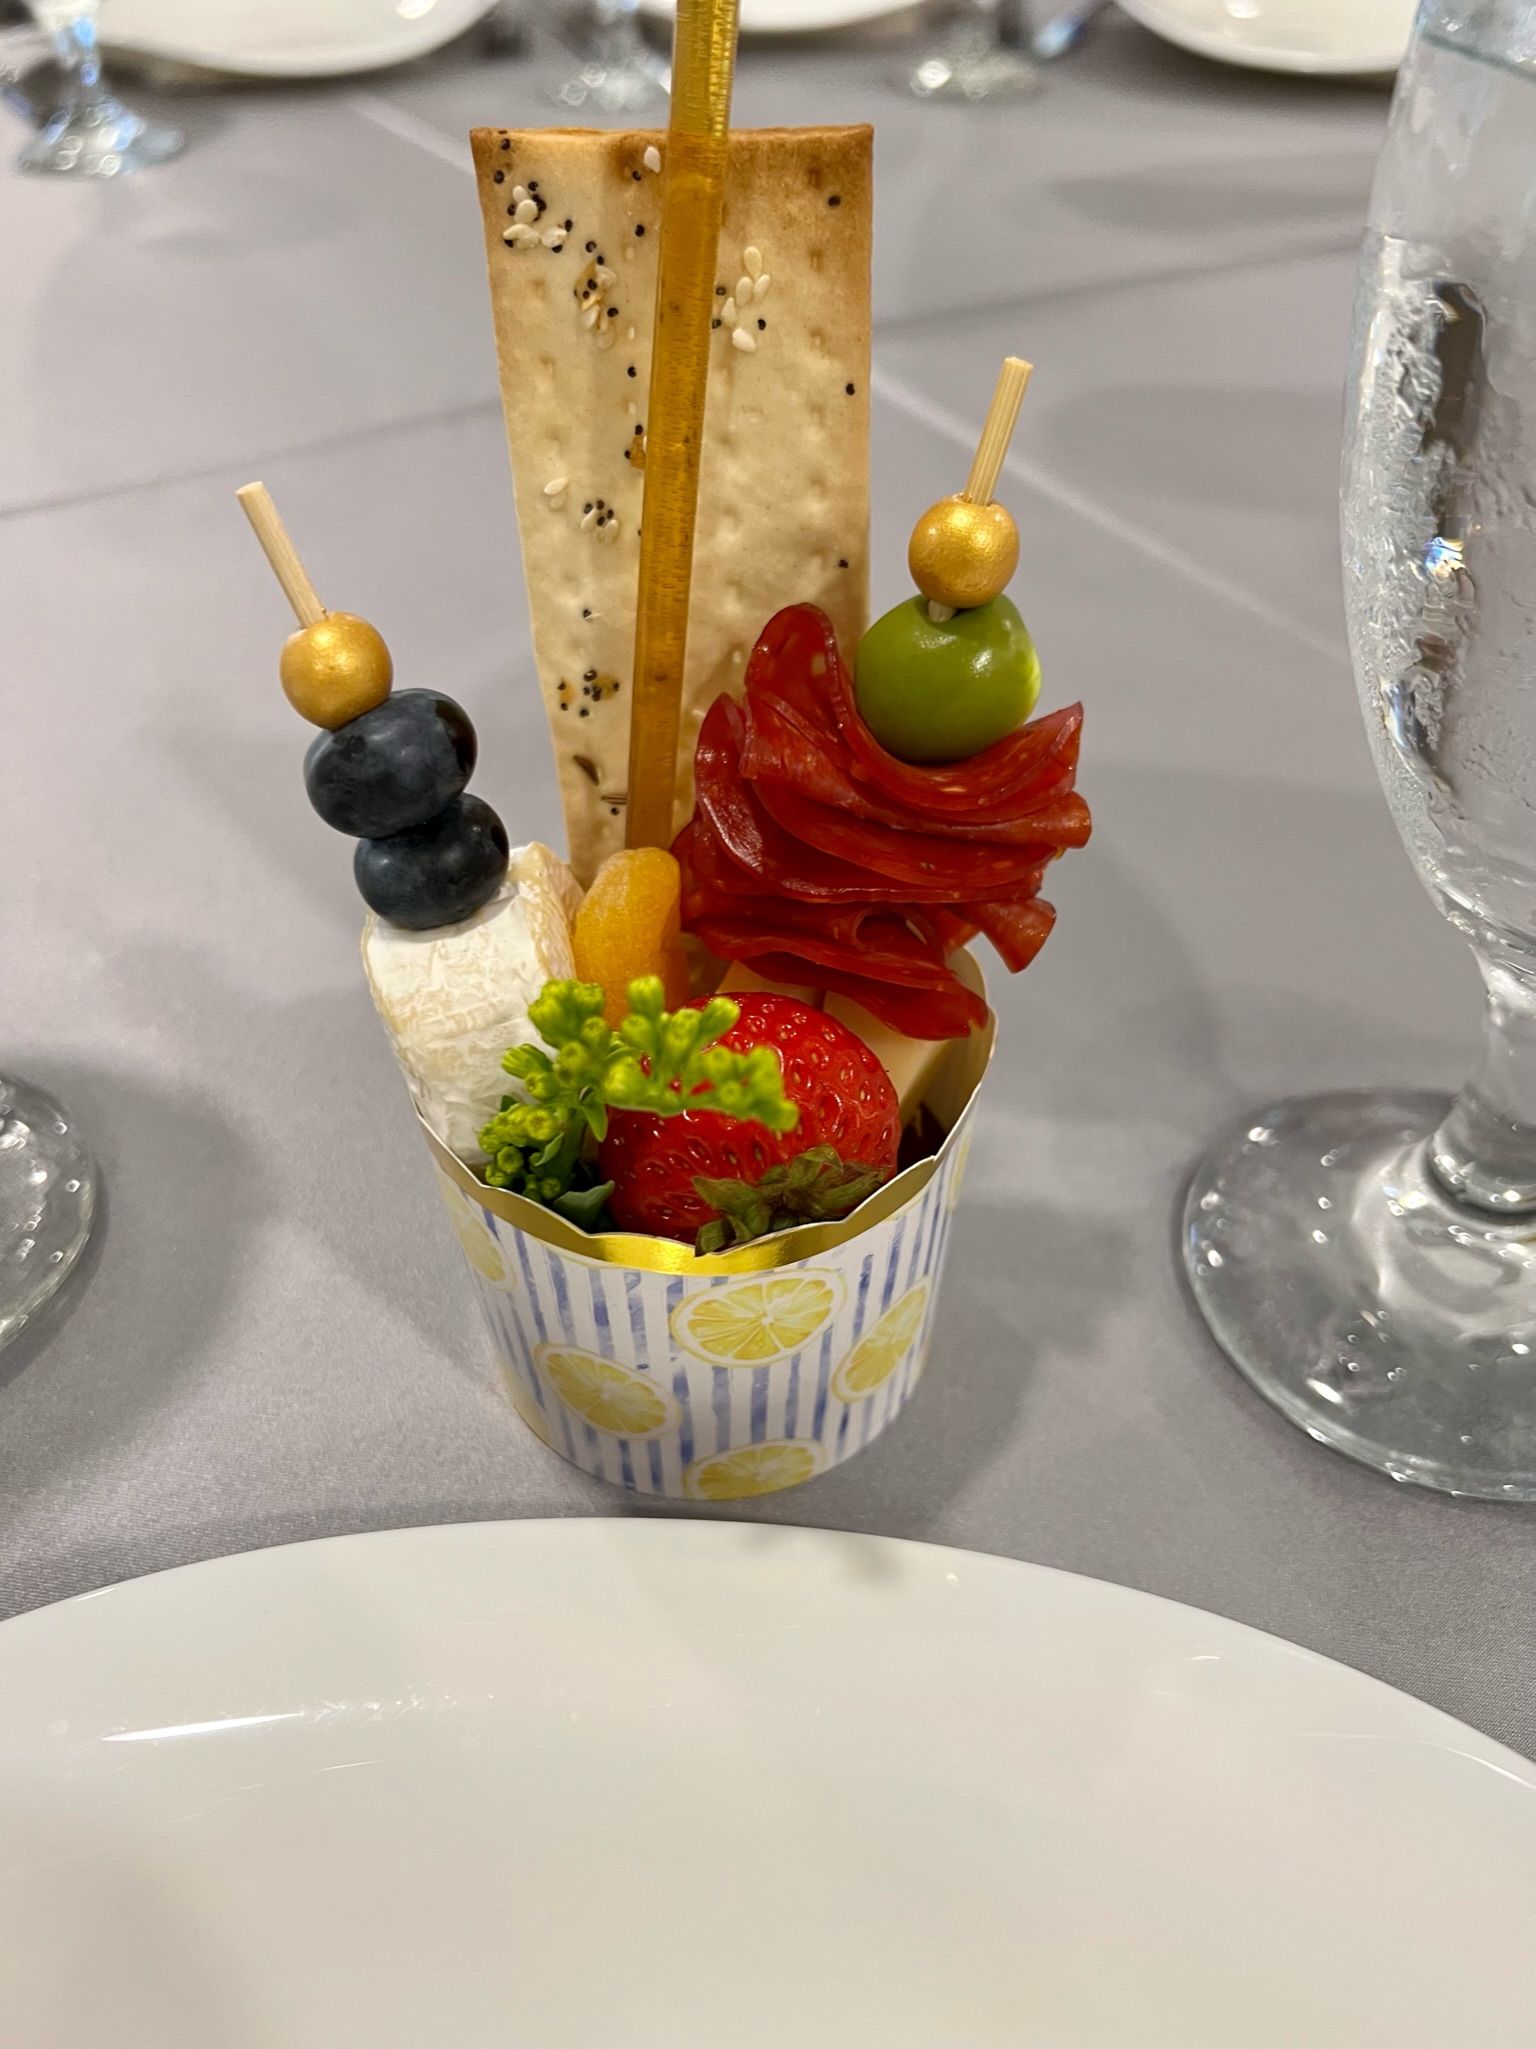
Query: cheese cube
{"points": [[909, 1062]]}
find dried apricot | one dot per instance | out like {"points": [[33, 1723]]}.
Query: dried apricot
{"points": [[628, 926]]}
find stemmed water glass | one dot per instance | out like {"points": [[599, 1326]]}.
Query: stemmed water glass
{"points": [[971, 61], [1369, 1260], [90, 133], [621, 74], [47, 1201]]}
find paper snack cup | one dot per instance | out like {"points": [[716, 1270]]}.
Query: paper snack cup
{"points": [[713, 1378]]}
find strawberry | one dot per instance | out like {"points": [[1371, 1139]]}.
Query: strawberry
{"points": [[848, 1114]]}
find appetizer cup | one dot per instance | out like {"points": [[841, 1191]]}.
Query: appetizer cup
{"points": [[716, 1378]]}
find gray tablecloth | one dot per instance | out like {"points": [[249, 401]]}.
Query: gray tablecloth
{"points": [[274, 1338]]}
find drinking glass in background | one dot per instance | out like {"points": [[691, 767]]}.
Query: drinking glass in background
{"points": [[971, 60], [47, 1201], [90, 134], [621, 74], [1369, 1260]]}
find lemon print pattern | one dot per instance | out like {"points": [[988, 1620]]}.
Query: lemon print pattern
{"points": [[749, 1323], [866, 1369], [754, 1469], [610, 1397], [480, 1248], [957, 1171]]}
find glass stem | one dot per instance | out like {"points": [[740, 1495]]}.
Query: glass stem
{"points": [[79, 56], [617, 37], [1484, 1153], [974, 27], [1011, 24]]}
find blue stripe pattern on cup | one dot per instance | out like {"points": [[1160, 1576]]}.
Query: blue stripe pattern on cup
{"points": [[718, 1387]]}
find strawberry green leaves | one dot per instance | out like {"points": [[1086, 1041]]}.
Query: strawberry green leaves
{"points": [[814, 1187]]}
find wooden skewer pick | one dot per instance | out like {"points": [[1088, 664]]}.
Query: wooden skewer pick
{"points": [[256, 501], [997, 432], [336, 667], [992, 449]]}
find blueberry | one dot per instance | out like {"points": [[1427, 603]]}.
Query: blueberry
{"points": [[436, 873], [393, 767]]}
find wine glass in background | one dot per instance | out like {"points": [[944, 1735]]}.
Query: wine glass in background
{"points": [[1369, 1260], [621, 73], [47, 1201], [90, 133], [971, 60]]}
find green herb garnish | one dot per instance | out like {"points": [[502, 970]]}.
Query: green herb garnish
{"points": [[657, 1060]]}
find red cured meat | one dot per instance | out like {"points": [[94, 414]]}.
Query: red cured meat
{"points": [[778, 749], [817, 857]]}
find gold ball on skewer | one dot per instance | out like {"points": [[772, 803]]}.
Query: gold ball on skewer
{"points": [[962, 554], [336, 669]]}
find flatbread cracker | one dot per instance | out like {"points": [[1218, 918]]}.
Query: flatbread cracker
{"points": [[784, 482]]}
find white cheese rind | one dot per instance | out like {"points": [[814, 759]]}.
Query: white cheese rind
{"points": [[454, 999]]}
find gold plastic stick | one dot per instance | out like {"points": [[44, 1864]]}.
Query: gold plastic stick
{"points": [[693, 197]]}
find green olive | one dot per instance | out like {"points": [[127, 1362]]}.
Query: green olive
{"points": [[932, 691]]}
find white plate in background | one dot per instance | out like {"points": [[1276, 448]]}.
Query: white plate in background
{"points": [[287, 38], [678, 1785], [1334, 38], [794, 17]]}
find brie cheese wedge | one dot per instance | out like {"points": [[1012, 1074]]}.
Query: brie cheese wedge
{"points": [[455, 998]]}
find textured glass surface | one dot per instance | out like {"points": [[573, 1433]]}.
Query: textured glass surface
{"points": [[47, 1199], [90, 134], [971, 61], [1369, 1260]]}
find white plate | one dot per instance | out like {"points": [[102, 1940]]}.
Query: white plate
{"points": [[794, 17], [1334, 38], [658, 1785], [287, 38]]}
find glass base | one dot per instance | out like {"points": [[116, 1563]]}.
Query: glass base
{"points": [[99, 138], [636, 82], [47, 1201], [971, 67], [1380, 1316]]}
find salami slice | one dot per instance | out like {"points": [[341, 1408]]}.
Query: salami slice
{"points": [[817, 857]]}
